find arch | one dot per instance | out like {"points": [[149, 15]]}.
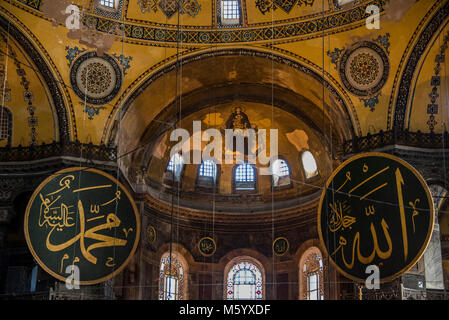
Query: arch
{"points": [[173, 276], [207, 175], [175, 167], [408, 71], [280, 173], [216, 87], [309, 164], [254, 276], [311, 275], [244, 177], [46, 73]]}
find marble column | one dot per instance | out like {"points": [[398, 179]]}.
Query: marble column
{"points": [[433, 262]]}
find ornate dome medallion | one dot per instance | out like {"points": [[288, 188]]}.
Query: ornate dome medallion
{"points": [[364, 69], [95, 79]]}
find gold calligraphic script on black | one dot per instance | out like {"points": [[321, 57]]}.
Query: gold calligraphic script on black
{"points": [[376, 209], [280, 246], [207, 246], [85, 218], [151, 233]]}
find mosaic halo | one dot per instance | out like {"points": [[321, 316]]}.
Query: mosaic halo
{"points": [[364, 69], [97, 80]]}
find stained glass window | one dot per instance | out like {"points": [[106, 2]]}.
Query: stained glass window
{"points": [[309, 165], [281, 173], [312, 287], [107, 3], [244, 282], [175, 165], [171, 279]]}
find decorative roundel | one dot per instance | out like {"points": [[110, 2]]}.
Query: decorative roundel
{"points": [[151, 233], [364, 69], [96, 79], [207, 246], [280, 246]]}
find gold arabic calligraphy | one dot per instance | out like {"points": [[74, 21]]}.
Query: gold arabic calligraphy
{"points": [[340, 220], [58, 217]]}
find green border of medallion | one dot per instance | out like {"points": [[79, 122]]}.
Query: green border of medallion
{"points": [[429, 198], [39, 261], [215, 247], [286, 251]]}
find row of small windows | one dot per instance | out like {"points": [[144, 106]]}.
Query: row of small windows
{"points": [[244, 278], [230, 10], [107, 3], [245, 173]]}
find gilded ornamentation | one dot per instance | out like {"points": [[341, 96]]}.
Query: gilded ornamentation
{"points": [[96, 80], [435, 82], [170, 7], [280, 246], [207, 246], [83, 217], [147, 5], [91, 110], [151, 234], [319, 24], [312, 266], [364, 69], [96, 77], [286, 5]]}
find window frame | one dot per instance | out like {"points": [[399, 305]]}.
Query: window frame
{"points": [[222, 23], [314, 177], [311, 263], [168, 175], [235, 182], [230, 286], [286, 186], [181, 280], [205, 183], [115, 9]]}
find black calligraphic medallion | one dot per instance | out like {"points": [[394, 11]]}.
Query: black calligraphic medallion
{"points": [[151, 233], [376, 210], [84, 218], [280, 246], [207, 246]]}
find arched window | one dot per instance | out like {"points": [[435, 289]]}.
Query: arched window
{"points": [[208, 169], [207, 174], [230, 12], [311, 275], [171, 277], [281, 173], [175, 166], [245, 177], [244, 282], [309, 165]]}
